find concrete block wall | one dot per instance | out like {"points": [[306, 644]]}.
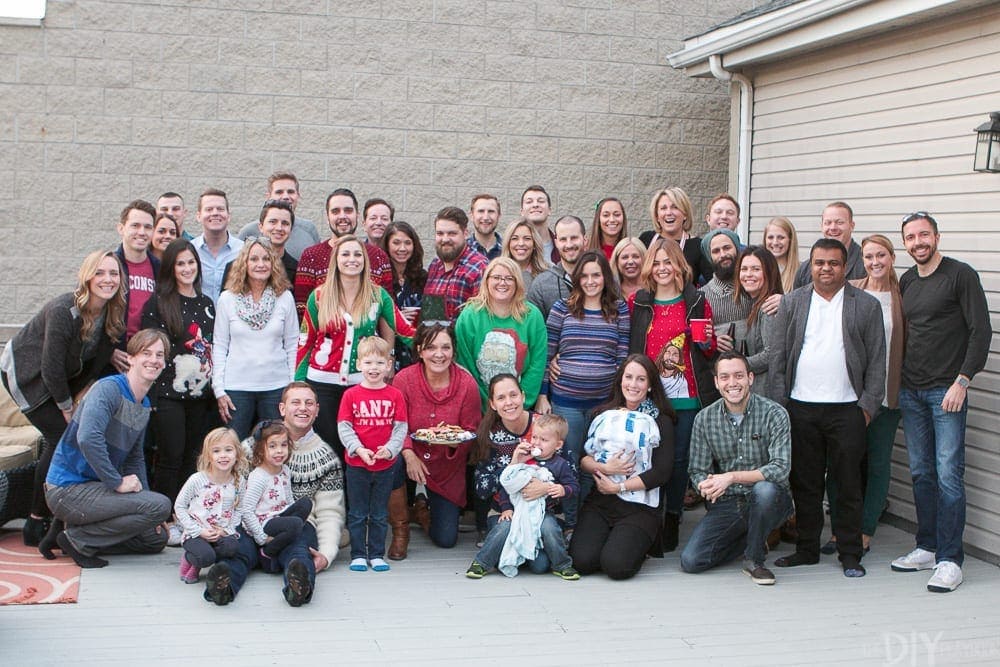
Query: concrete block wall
{"points": [[422, 102]]}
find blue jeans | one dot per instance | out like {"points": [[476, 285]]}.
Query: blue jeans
{"points": [[735, 525], [577, 418], [553, 546], [253, 407], [444, 520], [368, 513], [248, 557], [677, 484], [935, 440]]}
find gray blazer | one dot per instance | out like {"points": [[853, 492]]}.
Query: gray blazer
{"points": [[864, 345]]}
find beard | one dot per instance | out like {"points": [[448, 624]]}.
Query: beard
{"points": [[724, 270], [448, 253]]}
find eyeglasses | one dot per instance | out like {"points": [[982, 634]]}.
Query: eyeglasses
{"points": [[502, 279], [919, 215], [258, 430]]}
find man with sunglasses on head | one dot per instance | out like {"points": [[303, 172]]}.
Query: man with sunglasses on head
{"points": [[277, 221], [947, 342]]}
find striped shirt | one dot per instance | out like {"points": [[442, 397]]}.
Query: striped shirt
{"points": [[590, 350]]}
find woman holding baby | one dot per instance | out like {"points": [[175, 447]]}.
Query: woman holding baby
{"points": [[630, 453]]}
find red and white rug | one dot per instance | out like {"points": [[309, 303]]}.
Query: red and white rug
{"points": [[27, 578]]}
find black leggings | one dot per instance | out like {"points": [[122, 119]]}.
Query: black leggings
{"points": [[202, 553], [178, 428], [48, 419], [618, 549], [286, 527]]}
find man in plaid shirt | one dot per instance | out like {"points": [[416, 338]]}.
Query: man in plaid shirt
{"points": [[454, 275], [740, 458]]}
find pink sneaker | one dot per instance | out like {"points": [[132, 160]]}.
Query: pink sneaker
{"points": [[189, 573]]}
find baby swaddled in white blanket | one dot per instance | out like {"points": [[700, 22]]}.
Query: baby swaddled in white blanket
{"points": [[626, 433]]}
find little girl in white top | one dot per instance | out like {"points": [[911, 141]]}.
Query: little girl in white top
{"points": [[207, 506], [271, 515]]}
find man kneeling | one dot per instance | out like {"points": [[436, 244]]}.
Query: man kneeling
{"points": [[746, 438]]}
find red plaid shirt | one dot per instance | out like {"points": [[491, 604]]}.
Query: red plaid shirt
{"points": [[457, 286]]}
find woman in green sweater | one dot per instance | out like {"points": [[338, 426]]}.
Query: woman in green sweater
{"points": [[499, 331]]}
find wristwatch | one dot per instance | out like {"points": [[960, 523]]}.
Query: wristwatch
{"points": [[962, 381], [621, 487]]}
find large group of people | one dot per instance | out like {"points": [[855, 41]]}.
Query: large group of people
{"points": [[587, 380]]}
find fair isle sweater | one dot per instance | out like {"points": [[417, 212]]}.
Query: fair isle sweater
{"points": [[590, 350]]}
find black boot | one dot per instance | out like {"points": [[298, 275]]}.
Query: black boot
{"points": [[34, 530], [671, 530]]}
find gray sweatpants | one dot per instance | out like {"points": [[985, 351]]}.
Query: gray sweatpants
{"points": [[99, 520]]}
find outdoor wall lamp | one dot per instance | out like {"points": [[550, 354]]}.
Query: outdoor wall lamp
{"points": [[988, 145]]}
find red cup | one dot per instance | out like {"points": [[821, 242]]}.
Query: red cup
{"points": [[699, 330]]}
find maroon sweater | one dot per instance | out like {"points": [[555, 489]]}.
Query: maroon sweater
{"points": [[458, 404]]}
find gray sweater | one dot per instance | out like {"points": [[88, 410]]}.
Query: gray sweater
{"points": [[47, 360], [549, 287]]}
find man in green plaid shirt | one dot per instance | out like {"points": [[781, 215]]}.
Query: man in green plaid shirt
{"points": [[740, 458]]}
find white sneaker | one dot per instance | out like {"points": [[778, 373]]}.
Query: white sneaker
{"points": [[174, 535], [947, 577], [918, 559]]}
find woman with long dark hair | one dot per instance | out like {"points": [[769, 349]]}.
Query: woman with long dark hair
{"points": [[47, 364], [609, 227], [183, 402], [522, 244], [589, 331], [758, 275], [629, 453], [406, 255]]}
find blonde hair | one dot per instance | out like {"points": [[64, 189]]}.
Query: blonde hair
{"points": [[682, 201], [620, 248], [216, 436], [373, 346], [553, 423], [483, 300], [792, 256], [238, 283], [330, 298], [114, 310], [682, 272], [536, 261]]}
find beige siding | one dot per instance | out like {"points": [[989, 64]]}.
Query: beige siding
{"points": [[886, 125]]}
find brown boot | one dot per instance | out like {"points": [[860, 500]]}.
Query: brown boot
{"points": [[421, 513], [399, 519]]}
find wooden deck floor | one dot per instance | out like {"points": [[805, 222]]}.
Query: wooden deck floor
{"points": [[426, 612]]}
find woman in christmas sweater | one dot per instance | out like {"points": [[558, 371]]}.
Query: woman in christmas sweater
{"points": [[661, 315], [499, 331], [339, 313], [436, 390], [183, 403]]}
